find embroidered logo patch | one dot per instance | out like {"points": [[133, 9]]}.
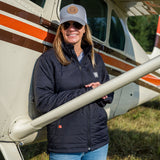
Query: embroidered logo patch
{"points": [[72, 10], [95, 74]]}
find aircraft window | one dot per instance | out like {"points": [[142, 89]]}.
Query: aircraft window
{"points": [[39, 2], [96, 13], [117, 37]]}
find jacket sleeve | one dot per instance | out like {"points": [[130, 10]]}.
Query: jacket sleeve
{"points": [[105, 78], [45, 95]]}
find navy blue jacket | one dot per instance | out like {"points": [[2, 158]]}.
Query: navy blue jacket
{"points": [[56, 84]]}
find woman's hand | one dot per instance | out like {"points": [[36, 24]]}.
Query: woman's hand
{"points": [[95, 85]]}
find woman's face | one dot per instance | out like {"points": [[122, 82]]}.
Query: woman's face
{"points": [[72, 32]]}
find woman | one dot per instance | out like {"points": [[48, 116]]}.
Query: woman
{"points": [[64, 72]]}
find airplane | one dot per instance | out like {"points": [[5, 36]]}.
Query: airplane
{"points": [[28, 28]]}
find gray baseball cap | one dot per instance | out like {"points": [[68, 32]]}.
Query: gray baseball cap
{"points": [[73, 12]]}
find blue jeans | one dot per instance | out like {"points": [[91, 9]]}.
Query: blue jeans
{"points": [[98, 154]]}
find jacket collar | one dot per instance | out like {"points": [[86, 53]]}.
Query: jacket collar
{"points": [[68, 50]]}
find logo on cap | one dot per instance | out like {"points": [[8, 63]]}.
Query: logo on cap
{"points": [[72, 10]]}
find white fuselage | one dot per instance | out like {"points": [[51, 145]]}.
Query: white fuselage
{"points": [[26, 31]]}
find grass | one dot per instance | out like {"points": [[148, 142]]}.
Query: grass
{"points": [[136, 135], [133, 136]]}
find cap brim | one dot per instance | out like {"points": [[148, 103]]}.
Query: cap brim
{"points": [[82, 22]]}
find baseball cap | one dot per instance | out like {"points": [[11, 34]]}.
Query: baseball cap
{"points": [[73, 12]]}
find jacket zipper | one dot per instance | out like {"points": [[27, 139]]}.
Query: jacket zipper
{"points": [[89, 132], [80, 69]]}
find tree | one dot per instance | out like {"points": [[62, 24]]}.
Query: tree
{"points": [[143, 28]]}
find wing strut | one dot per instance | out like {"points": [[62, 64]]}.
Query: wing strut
{"points": [[10, 151], [20, 130]]}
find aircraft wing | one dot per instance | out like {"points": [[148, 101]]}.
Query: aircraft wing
{"points": [[139, 7]]}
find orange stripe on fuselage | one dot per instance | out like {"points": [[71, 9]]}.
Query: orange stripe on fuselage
{"points": [[152, 79], [126, 67], [158, 27], [26, 28], [116, 63], [43, 35]]}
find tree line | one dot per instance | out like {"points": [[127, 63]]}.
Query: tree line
{"points": [[143, 28]]}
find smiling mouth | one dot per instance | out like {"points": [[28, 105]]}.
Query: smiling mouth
{"points": [[72, 35]]}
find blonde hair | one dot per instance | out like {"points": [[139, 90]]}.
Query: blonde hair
{"points": [[87, 38]]}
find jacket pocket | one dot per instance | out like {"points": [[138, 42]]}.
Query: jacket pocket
{"points": [[103, 115]]}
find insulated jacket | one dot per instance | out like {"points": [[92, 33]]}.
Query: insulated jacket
{"points": [[56, 84]]}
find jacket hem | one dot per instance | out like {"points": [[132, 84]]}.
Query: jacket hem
{"points": [[77, 150]]}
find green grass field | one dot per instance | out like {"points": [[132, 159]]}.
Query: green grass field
{"points": [[133, 136], [136, 135]]}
